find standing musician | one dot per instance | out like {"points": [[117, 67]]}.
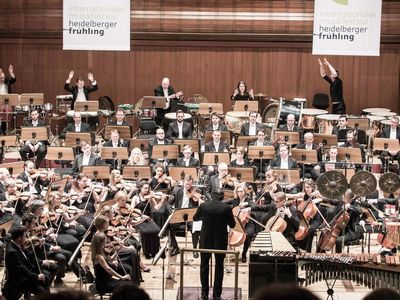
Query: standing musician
{"points": [[251, 127], [216, 217], [187, 160], [242, 200], [148, 228], [185, 196], [392, 132], [34, 149], [115, 142], [173, 98], [80, 92], [215, 123], [119, 119], [21, 274], [76, 126], [179, 129], [216, 145], [87, 158], [241, 93]]}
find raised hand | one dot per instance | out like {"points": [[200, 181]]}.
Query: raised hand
{"points": [[90, 76], [251, 93], [319, 61], [11, 69], [235, 92], [71, 74]]}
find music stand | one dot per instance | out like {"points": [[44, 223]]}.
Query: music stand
{"points": [[8, 101], [308, 157], [114, 153], [31, 99], [244, 140], [136, 172], [125, 131], [248, 106], [96, 172], [73, 139], [61, 154], [226, 136], [326, 140], [288, 137], [86, 106], [350, 154], [14, 167], [386, 144], [214, 158], [288, 176], [34, 133], [209, 108], [358, 123], [165, 152], [261, 152], [154, 102], [142, 144], [243, 174], [6, 141], [179, 173], [193, 143]]}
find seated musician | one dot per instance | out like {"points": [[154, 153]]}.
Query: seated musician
{"points": [[160, 181], [309, 145], [241, 159], [119, 119], [33, 181], [290, 124], [392, 132], [331, 162], [351, 142], [34, 149], [215, 123], [136, 158], [283, 161], [187, 160], [22, 278], [342, 125], [115, 141], [4, 174], [179, 129], [8, 198], [173, 98], [221, 180], [243, 200], [117, 183], [80, 92], [251, 127], [159, 140], [216, 145], [76, 126], [241, 93], [184, 198], [87, 158], [260, 141]]}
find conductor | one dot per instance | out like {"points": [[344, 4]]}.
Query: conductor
{"points": [[216, 216]]}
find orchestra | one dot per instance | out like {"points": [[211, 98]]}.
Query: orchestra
{"points": [[124, 215]]}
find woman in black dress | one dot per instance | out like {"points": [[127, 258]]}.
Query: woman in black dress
{"points": [[241, 93], [241, 160]]}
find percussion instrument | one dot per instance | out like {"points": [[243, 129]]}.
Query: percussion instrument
{"points": [[363, 183], [270, 112], [332, 184], [63, 103], [386, 122], [327, 122], [47, 107], [393, 232], [148, 113], [235, 119], [308, 117], [287, 107], [383, 113], [192, 106], [127, 108], [172, 116], [389, 182], [375, 109], [83, 113]]}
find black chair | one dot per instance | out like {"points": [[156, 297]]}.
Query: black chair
{"points": [[321, 101]]}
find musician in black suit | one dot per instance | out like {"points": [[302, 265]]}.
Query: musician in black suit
{"points": [[331, 162], [252, 127], [290, 126], [119, 119], [115, 142], [87, 158], [179, 129], [4, 174], [173, 98], [80, 92], [33, 149], [216, 145], [221, 180], [7, 81], [343, 121], [308, 144], [187, 160], [158, 140], [76, 126], [216, 217], [21, 275], [30, 184], [283, 161], [392, 132], [215, 123]]}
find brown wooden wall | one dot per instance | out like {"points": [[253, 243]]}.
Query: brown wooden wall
{"points": [[200, 56]]}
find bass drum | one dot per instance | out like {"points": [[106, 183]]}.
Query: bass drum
{"points": [[270, 112], [287, 107]]}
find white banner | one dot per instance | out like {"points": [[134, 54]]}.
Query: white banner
{"points": [[347, 27], [96, 25]]}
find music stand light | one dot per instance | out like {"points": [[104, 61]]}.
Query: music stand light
{"points": [[136, 172], [179, 173], [261, 152], [209, 108], [358, 123], [142, 144], [96, 172], [8, 140], [288, 176], [288, 137], [125, 131], [114, 153], [193, 143], [245, 106], [243, 174], [150, 102], [386, 144], [60, 153], [86, 106], [214, 158], [9, 100], [244, 140]]}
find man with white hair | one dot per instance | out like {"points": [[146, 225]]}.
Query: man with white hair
{"points": [[171, 105], [308, 144]]}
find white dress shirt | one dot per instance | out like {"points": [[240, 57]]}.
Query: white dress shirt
{"points": [[3, 88], [85, 160], [252, 129], [167, 96], [180, 130], [284, 163], [393, 133], [81, 95]]}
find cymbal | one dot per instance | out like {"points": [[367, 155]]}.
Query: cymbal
{"points": [[389, 182], [259, 95], [332, 184], [363, 183]]}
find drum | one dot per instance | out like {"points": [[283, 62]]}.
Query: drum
{"points": [[383, 113], [48, 107], [235, 119], [327, 122], [127, 108], [145, 113], [153, 113], [375, 125], [393, 232], [270, 112], [70, 114], [308, 117], [301, 100], [26, 108], [371, 110], [287, 107], [172, 116]]}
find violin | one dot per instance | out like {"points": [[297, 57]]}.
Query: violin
{"points": [[229, 180], [34, 241], [165, 179], [192, 193], [49, 216]]}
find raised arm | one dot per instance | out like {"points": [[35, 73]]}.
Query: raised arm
{"points": [[321, 68], [331, 68], [70, 75]]}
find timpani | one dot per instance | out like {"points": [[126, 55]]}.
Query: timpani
{"points": [[327, 122], [308, 117]]}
